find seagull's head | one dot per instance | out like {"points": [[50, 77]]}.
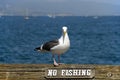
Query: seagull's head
{"points": [[64, 28]]}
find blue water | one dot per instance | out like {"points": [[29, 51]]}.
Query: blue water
{"points": [[93, 40]]}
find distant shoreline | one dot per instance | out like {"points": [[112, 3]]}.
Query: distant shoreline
{"points": [[59, 16]]}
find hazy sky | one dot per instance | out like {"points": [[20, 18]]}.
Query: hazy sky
{"points": [[76, 7]]}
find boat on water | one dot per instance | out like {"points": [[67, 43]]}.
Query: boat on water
{"points": [[26, 17], [95, 17], [51, 16], [27, 14]]}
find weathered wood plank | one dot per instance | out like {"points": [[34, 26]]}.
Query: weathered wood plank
{"points": [[37, 71]]}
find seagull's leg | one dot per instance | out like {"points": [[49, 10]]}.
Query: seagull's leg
{"points": [[59, 59], [55, 63]]}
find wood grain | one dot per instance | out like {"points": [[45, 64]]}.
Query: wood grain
{"points": [[37, 71]]}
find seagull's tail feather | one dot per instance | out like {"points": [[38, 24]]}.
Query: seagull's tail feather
{"points": [[39, 49]]}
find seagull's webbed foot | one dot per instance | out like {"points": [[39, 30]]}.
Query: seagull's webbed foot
{"points": [[55, 63], [60, 63]]}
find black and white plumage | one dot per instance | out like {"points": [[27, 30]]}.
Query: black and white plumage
{"points": [[58, 46], [48, 45]]}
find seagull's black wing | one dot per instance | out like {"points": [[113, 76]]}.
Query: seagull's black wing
{"points": [[48, 45]]}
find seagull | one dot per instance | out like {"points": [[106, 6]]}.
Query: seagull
{"points": [[58, 46]]}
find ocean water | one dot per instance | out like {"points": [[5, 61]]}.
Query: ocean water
{"points": [[93, 40]]}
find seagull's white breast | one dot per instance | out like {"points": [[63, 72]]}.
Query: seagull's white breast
{"points": [[63, 46]]}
